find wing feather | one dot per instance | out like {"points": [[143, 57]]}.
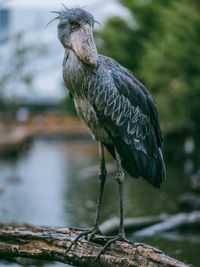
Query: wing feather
{"points": [[128, 113]]}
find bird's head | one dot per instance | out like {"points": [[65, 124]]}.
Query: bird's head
{"points": [[75, 33]]}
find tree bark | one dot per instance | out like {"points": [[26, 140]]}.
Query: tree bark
{"points": [[50, 244]]}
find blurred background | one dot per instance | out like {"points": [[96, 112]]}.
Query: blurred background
{"points": [[49, 162]]}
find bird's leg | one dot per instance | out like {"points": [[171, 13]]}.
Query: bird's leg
{"points": [[120, 180], [102, 178]]}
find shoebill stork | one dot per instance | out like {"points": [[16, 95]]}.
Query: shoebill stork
{"points": [[115, 106]]}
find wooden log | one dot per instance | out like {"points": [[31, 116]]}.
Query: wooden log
{"points": [[180, 220], [51, 243]]}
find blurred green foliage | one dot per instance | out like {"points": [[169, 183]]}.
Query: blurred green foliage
{"points": [[161, 47]]}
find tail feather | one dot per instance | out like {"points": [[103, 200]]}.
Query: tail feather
{"points": [[137, 164], [155, 173]]}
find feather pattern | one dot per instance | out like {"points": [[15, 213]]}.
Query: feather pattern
{"points": [[129, 115], [120, 113]]}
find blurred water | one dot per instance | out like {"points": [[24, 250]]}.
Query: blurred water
{"points": [[41, 187]]}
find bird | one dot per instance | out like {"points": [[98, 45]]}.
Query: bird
{"points": [[115, 106]]}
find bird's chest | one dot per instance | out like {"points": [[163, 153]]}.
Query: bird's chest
{"points": [[74, 75], [87, 113]]}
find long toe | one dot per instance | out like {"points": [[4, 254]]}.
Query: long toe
{"points": [[112, 241], [95, 231], [85, 233], [88, 234]]}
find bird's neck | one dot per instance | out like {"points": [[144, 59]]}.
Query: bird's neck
{"points": [[75, 73]]}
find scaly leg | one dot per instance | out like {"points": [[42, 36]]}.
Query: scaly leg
{"points": [[120, 180], [102, 178]]}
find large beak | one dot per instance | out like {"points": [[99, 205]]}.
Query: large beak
{"points": [[83, 44]]}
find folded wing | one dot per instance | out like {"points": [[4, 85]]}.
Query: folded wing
{"points": [[129, 115]]}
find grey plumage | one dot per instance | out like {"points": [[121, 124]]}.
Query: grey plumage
{"points": [[119, 112], [115, 106]]}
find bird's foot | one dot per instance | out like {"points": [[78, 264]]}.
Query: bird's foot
{"points": [[119, 237], [90, 233], [94, 231]]}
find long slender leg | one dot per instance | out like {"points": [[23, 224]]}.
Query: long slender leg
{"points": [[102, 178], [120, 180]]}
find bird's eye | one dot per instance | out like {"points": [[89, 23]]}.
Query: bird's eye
{"points": [[74, 25]]}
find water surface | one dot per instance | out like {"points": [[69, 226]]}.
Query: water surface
{"points": [[42, 187]]}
